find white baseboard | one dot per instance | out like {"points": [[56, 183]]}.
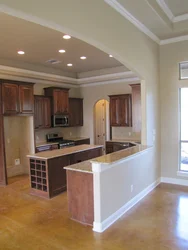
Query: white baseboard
{"points": [[175, 181], [100, 227]]}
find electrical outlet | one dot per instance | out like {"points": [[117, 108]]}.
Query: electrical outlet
{"points": [[129, 133], [131, 188], [70, 133], [8, 140], [17, 162]]}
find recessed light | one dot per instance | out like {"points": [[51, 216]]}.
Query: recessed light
{"points": [[20, 52], [110, 55], [61, 51], [83, 57], [69, 64], [66, 37]]}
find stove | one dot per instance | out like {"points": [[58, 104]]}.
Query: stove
{"points": [[62, 143]]}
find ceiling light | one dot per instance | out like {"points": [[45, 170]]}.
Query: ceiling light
{"points": [[66, 37], [83, 57], [69, 64], [110, 55], [61, 51], [20, 52]]}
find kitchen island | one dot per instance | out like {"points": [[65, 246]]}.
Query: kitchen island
{"points": [[47, 173], [97, 188]]}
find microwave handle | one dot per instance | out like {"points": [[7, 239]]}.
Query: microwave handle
{"points": [[67, 120]]}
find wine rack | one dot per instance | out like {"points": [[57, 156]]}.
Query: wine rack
{"points": [[38, 173]]}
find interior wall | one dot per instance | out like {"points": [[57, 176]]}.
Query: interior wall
{"points": [[170, 56], [19, 141]]}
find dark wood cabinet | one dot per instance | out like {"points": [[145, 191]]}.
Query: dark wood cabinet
{"points": [[136, 108], [48, 177], [116, 146], [83, 141], [10, 98], [75, 112], [17, 98], [42, 114], [120, 110], [60, 100], [26, 99]]}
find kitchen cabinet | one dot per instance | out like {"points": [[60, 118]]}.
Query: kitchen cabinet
{"points": [[116, 146], [83, 141], [48, 176], [59, 100], [120, 110], [75, 112], [136, 107], [17, 98], [42, 113]]}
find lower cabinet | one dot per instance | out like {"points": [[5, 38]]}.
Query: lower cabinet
{"points": [[48, 177], [84, 141], [116, 146]]}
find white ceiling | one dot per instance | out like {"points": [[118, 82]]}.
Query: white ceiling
{"points": [[41, 44], [159, 19]]}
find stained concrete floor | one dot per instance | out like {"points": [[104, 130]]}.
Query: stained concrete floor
{"points": [[158, 222]]}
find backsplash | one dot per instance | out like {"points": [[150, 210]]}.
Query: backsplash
{"points": [[40, 135], [124, 132]]}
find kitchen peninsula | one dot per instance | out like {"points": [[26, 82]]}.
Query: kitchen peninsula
{"points": [[47, 173], [98, 188]]}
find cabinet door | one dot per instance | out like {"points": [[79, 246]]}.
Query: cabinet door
{"points": [[64, 101], [115, 111], [75, 112], [26, 99], [125, 106], [46, 113], [10, 98], [84, 141], [3, 176], [58, 102], [38, 113]]}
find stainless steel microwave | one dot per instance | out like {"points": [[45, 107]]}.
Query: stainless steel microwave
{"points": [[60, 120]]}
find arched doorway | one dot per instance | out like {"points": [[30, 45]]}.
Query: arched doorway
{"points": [[101, 122]]}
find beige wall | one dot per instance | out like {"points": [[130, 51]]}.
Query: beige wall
{"points": [[170, 56]]}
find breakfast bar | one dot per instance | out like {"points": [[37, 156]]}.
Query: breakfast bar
{"points": [[90, 185]]}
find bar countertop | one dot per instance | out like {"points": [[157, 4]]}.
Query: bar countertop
{"points": [[64, 151]]}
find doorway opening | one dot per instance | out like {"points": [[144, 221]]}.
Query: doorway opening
{"points": [[101, 122]]}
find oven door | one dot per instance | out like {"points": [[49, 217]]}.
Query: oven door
{"points": [[60, 121]]}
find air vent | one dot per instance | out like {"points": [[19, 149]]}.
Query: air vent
{"points": [[53, 61]]}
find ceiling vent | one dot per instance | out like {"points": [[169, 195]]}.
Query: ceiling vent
{"points": [[53, 61]]}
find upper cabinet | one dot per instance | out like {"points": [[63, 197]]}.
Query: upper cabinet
{"points": [[42, 114], [17, 98], [60, 100], [75, 112], [120, 110], [136, 107]]}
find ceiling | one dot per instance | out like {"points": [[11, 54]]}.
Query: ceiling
{"points": [[159, 19], [41, 44]]}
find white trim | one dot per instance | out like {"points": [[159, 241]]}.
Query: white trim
{"points": [[45, 78], [180, 18], [166, 9], [120, 9], [100, 227], [174, 40], [182, 173], [175, 181]]}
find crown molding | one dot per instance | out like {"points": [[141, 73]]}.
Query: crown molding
{"points": [[119, 8], [166, 9], [180, 18], [12, 73], [174, 40]]}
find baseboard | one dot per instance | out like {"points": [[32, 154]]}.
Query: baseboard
{"points": [[101, 227], [175, 181]]}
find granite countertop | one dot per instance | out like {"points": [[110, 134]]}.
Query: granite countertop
{"points": [[76, 138], [85, 166], [116, 156], [125, 140], [39, 144], [64, 151]]}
